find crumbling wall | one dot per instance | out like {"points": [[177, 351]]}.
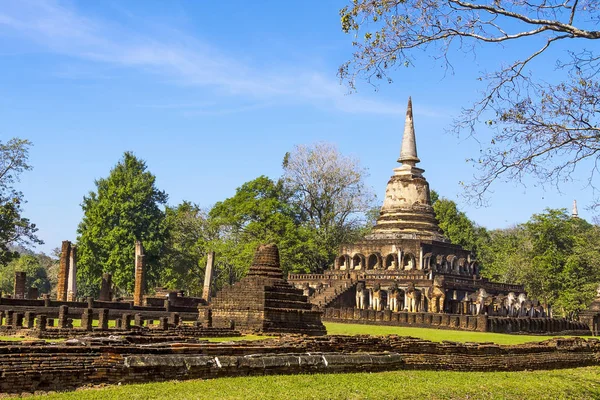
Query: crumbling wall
{"points": [[481, 323], [39, 366]]}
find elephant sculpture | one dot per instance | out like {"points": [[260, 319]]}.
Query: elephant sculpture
{"points": [[479, 299], [361, 294], [413, 297], [436, 295], [520, 305], [498, 305], [510, 304], [306, 290], [376, 301], [396, 298]]}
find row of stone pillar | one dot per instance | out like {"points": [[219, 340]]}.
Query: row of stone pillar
{"points": [[462, 322], [26, 320]]}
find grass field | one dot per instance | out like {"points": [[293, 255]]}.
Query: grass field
{"points": [[581, 383], [435, 335]]}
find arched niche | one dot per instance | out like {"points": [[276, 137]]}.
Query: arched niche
{"points": [[409, 262], [358, 261], [391, 261], [374, 261], [342, 262]]}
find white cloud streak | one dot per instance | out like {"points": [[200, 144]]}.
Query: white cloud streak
{"points": [[184, 60]]}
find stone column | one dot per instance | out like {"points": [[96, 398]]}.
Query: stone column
{"points": [[29, 320], [103, 319], [72, 276], [20, 279], [210, 263], [163, 323], [138, 320], [42, 320], [63, 316], [18, 320], [126, 322], [9, 317], [63, 271], [86, 319], [105, 288], [174, 318], [140, 278]]}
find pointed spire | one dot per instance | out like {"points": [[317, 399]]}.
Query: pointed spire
{"points": [[575, 214], [408, 153]]}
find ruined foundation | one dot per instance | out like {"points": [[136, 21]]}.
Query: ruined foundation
{"points": [[264, 302]]}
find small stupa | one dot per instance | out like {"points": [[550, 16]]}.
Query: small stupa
{"points": [[264, 302]]}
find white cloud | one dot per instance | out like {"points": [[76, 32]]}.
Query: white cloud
{"points": [[182, 59]]}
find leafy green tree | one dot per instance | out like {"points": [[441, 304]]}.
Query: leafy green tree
{"points": [[35, 271], [186, 248], [455, 224], [553, 255], [259, 213], [125, 207], [14, 228]]}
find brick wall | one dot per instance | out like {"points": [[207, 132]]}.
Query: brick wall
{"points": [[39, 366]]}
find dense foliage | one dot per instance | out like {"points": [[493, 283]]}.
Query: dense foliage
{"points": [[125, 207], [36, 269], [553, 255], [14, 228]]}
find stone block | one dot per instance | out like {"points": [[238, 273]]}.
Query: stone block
{"points": [[103, 319]]}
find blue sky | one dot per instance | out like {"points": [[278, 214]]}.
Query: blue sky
{"points": [[212, 94]]}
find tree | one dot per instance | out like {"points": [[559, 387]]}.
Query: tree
{"points": [[552, 255], [14, 228], [258, 213], [329, 190], [539, 127], [455, 224], [34, 270], [125, 207], [186, 247]]}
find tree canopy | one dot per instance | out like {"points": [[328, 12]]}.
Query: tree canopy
{"points": [[455, 224], [14, 228], [539, 126], [330, 192], [553, 255], [37, 274], [258, 213], [186, 247], [125, 207]]}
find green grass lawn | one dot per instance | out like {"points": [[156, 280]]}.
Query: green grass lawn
{"points": [[11, 338], [435, 335], [581, 383]]}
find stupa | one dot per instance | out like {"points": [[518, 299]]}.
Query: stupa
{"points": [[264, 302]]}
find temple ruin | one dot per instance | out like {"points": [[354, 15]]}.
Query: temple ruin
{"points": [[265, 302], [406, 264]]}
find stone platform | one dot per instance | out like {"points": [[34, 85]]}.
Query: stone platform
{"points": [[264, 302]]}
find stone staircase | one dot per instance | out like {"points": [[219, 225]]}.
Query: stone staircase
{"points": [[328, 295]]}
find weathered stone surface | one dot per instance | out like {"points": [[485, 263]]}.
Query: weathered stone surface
{"points": [[39, 366], [264, 302]]}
